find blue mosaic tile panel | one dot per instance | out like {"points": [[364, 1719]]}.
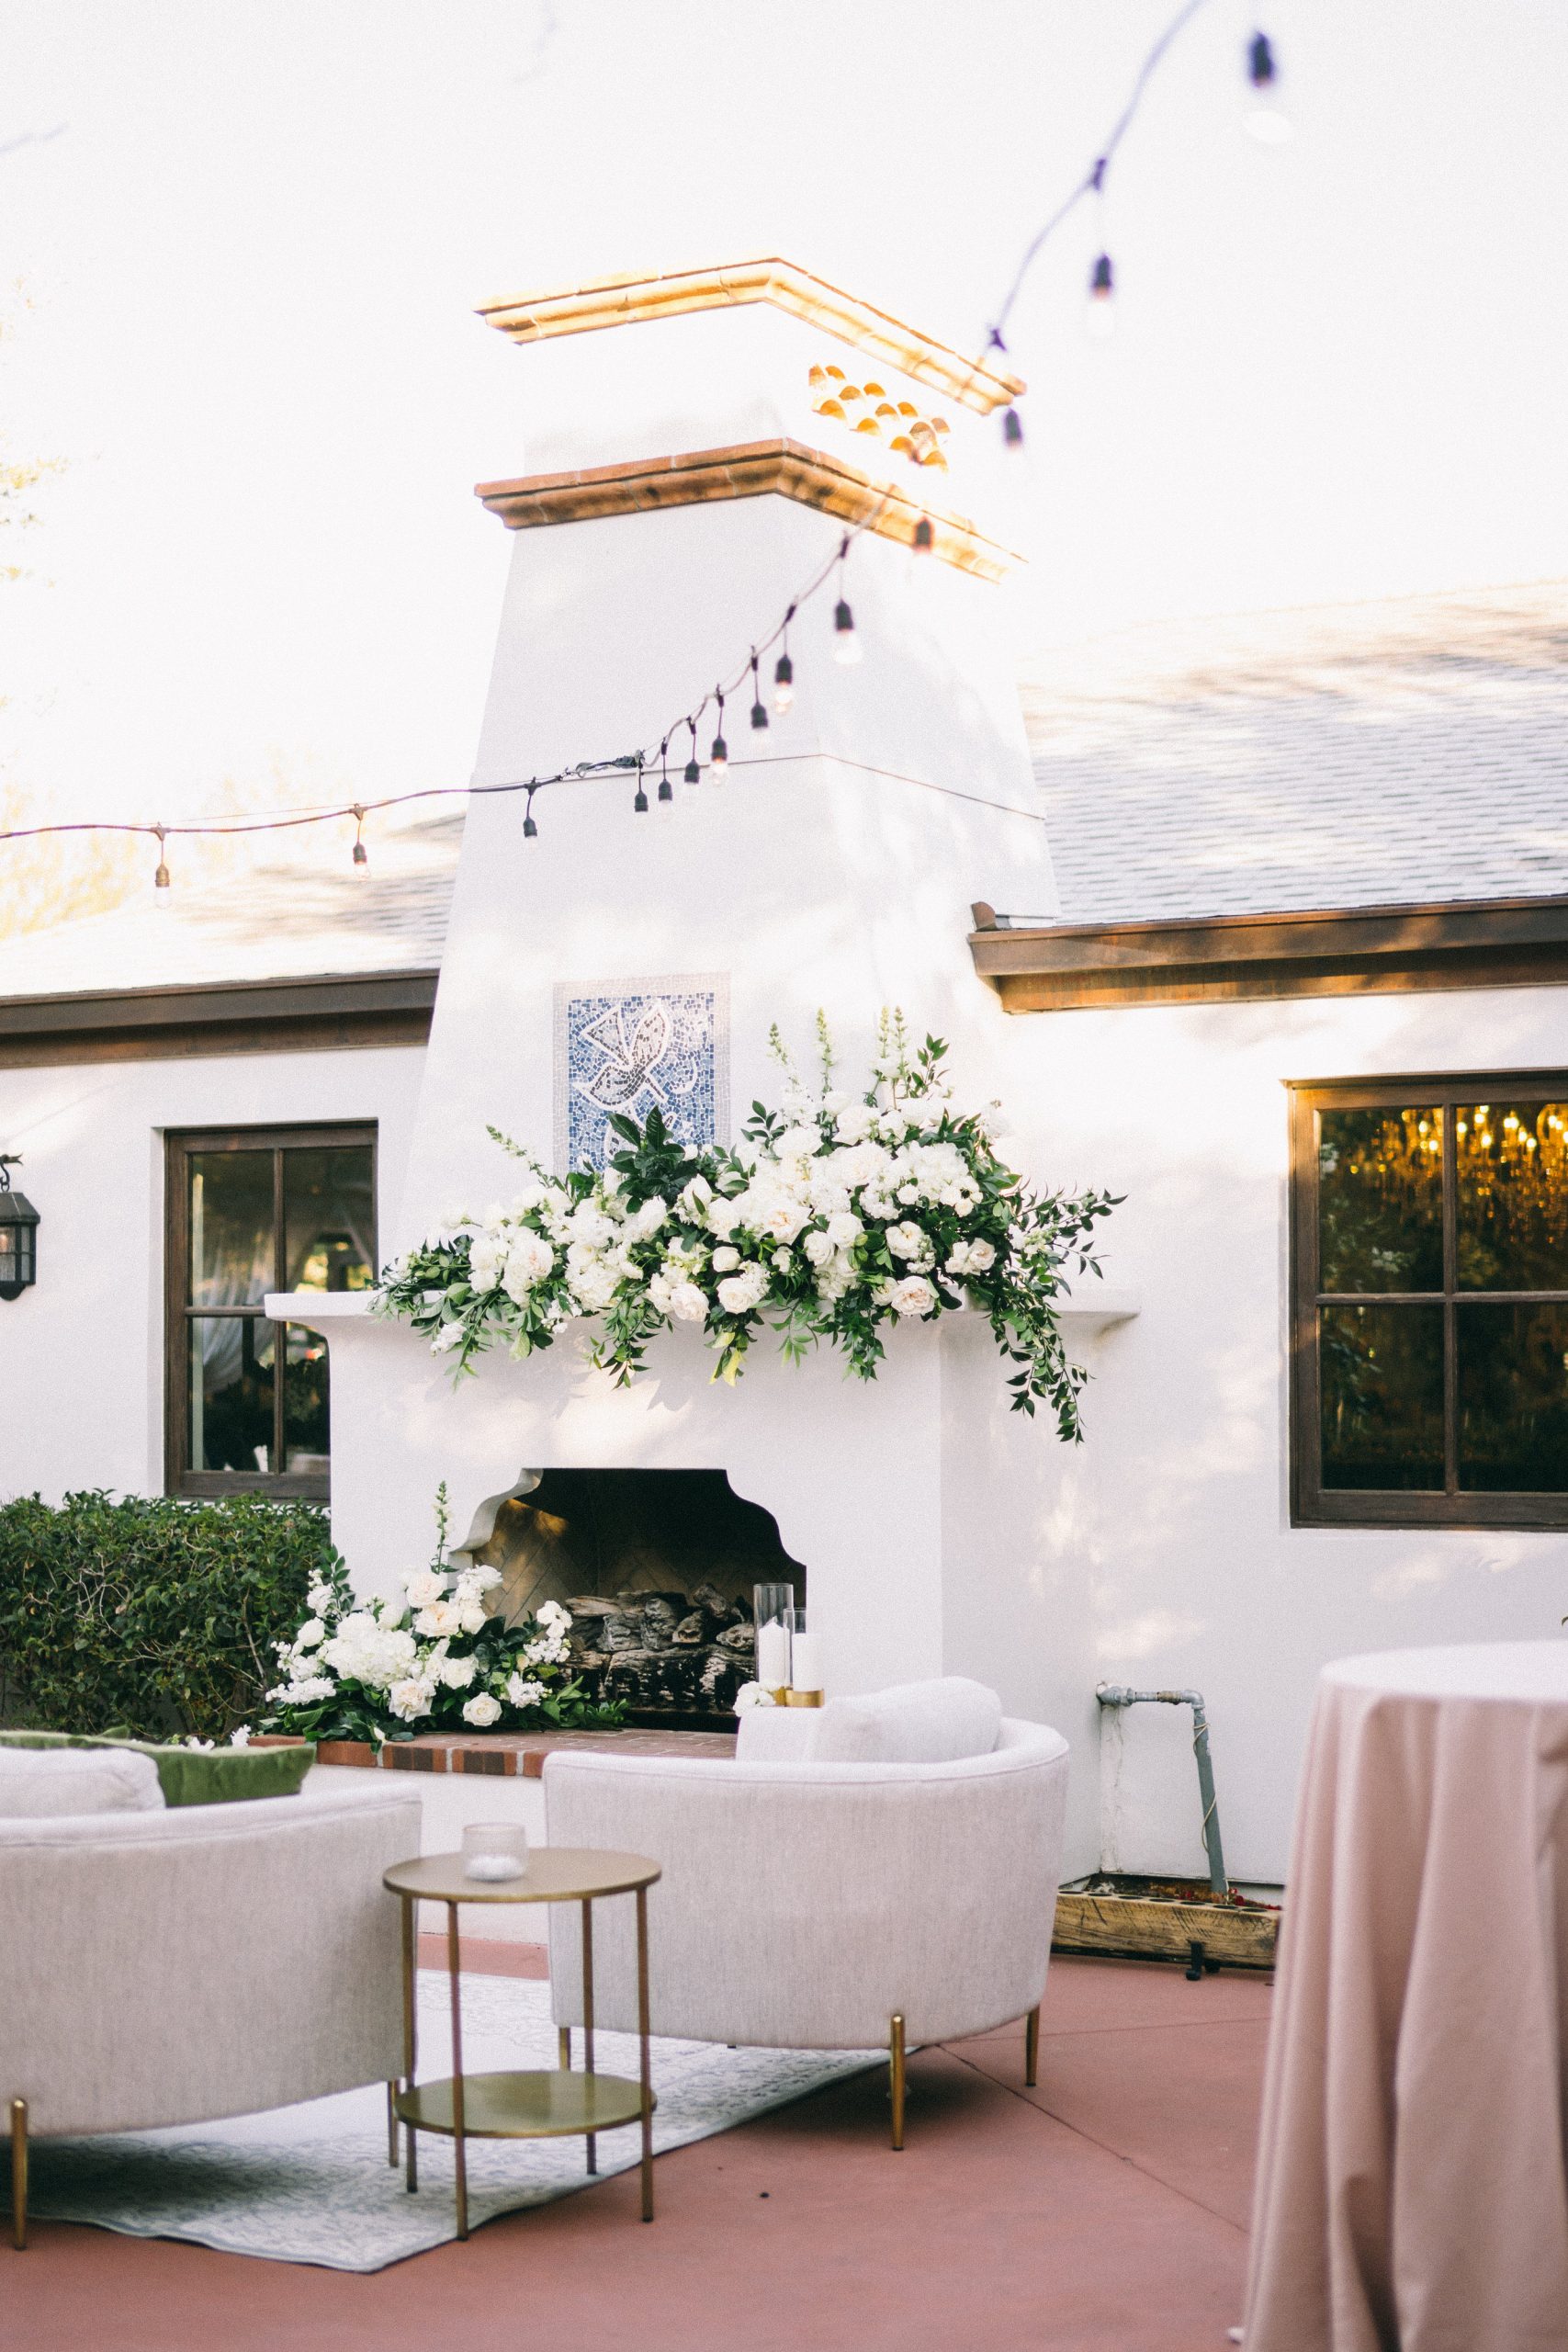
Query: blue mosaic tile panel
{"points": [[633, 1047]]}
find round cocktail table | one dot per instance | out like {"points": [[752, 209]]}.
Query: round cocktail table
{"points": [[522, 2106]]}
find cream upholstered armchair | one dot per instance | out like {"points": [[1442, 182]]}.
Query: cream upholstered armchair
{"points": [[170, 1966], [879, 1872]]}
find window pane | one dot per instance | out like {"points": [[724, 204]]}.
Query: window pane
{"points": [[230, 1229], [1380, 1200], [1513, 1400], [329, 1214], [231, 1392], [305, 1399], [1382, 1373], [1513, 1195]]}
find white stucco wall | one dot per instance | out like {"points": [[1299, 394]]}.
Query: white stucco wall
{"points": [[81, 1353], [1181, 1528]]}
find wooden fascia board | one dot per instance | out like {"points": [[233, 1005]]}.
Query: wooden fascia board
{"points": [[328, 1012], [623, 300], [1508, 943], [744, 469]]}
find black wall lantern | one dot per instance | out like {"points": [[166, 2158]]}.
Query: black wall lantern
{"points": [[19, 1232]]}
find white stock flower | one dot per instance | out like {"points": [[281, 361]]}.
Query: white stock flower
{"points": [[913, 1295], [450, 1336], [523, 1692], [476, 1580], [306, 1692], [409, 1699], [456, 1673], [688, 1304], [311, 1633], [482, 1711], [320, 1600], [240, 1736], [726, 1260], [439, 1621]]}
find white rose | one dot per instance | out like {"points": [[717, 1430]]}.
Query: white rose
{"points": [[552, 1613], [907, 1240], [409, 1699], [688, 1302], [982, 1255], [482, 1712], [476, 1580], [913, 1295], [439, 1622], [694, 1200], [784, 1260], [819, 1248], [590, 1224], [798, 1143], [726, 1260], [844, 1228], [749, 1695], [423, 1586], [311, 1633], [522, 1692], [528, 1260], [660, 1289], [741, 1292], [471, 1617], [854, 1121], [722, 1218], [647, 1219], [456, 1673], [486, 1260]]}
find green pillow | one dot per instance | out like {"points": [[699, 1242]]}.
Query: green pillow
{"points": [[197, 1775]]}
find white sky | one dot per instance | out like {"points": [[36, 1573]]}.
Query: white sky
{"points": [[254, 247]]}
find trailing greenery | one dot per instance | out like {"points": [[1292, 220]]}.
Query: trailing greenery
{"points": [[149, 1616]]}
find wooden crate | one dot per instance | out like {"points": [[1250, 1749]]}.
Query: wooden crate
{"points": [[1135, 1926]]}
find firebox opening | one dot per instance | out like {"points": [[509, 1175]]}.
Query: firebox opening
{"points": [[656, 1567]]}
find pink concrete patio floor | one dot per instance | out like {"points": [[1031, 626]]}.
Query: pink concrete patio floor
{"points": [[1105, 2211]]}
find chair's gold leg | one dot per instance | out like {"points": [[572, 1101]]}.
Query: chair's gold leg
{"points": [[19, 2173], [565, 2040], [1031, 2047], [896, 2072], [392, 2125]]}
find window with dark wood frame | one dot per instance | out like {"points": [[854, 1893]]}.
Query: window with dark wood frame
{"points": [[250, 1210], [1429, 1301]]}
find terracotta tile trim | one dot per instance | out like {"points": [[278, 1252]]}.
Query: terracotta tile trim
{"points": [[621, 300], [745, 470], [516, 1755]]}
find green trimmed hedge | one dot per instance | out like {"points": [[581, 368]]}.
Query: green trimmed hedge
{"points": [[148, 1616]]}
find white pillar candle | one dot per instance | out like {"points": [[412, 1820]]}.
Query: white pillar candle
{"points": [[773, 1655], [805, 1662]]}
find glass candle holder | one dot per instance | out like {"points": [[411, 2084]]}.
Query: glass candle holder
{"points": [[804, 1662], [494, 1851], [773, 1605]]}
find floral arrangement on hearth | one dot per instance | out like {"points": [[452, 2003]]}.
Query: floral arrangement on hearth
{"points": [[437, 1660], [838, 1217]]}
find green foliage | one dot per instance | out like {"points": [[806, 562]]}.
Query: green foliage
{"points": [[149, 1616]]}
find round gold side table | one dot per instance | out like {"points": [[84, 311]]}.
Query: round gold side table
{"points": [[522, 2106]]}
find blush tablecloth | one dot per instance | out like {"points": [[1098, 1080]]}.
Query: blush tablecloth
{"points": [[1411, 2193]]}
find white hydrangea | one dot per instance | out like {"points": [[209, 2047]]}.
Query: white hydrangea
{"points": [[363, 1649], [311, 1633], [529, 1261]]}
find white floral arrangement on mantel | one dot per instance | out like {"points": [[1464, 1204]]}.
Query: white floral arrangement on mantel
{"points": [[837, 1217], [437, 1660]]}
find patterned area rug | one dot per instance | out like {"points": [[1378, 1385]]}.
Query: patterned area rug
{"points": [[312, 2184]]}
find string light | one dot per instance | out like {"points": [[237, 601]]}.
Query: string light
{"points": [[846, 644], [784, 671], [694, 774], [161, 892], [361, 855], [640, 806], [1100, 319], [759, 708], [530, 828], [1263, 117], [665, 803], [718, 757]]}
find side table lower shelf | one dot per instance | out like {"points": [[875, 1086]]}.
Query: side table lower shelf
{"points": [[525, 2107]]}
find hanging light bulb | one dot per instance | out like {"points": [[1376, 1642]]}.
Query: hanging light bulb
{"points": [[1264, 120], [1101, 319], [846, 644], [718, 757], [1013, 429], [361, 855], [784, 672], [161, 894], [925, 537], [530, 830], [640, 806], [694, 774], [759, 708], [664, 806]]}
